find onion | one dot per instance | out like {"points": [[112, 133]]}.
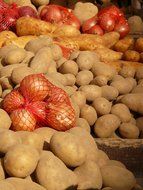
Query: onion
{"points": [[96, 30], [27, 11], [88, 24], [107, 22]]}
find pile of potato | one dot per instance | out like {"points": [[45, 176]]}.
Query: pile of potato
{"points": [[49, 160], [106, 101]]}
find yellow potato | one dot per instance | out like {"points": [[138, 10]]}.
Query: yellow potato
{"points": [[4, 35], [139, 73], [115, 163], [5, 185], [66, 30], [111, 35], [102, 158]]}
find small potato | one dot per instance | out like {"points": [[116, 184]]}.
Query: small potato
{"points": [[52, 173], [84, 78], [131, 55], [106, 125], [56, 52], [69, 67], [79, 98], [109, 92], [8, 139], [89, 176], [102, 158], [127, 71], [59, 78], [5, 92], [88, 113], [100, 80], [15, 56], [139, 73], [102, 106], [21, 160], [2, 174], [68, 148], [86, 59], [70, 79], [117, 178], [5, 121], [121, 111], [40, 2], [6, 83], [83, 124], [139, 45], [19, 73], [115, 163], [91, 92], [129, 131]]}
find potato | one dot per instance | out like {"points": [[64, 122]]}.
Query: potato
{"points": [[117, 78], [89, 176], [107, 188], [109, 92], [127, 71], [70, 79], [52, 68], [139, 73], [69, 67], [132, 81], [5, 49], [59, 78], [131, 55], [8, 139], [102, 106], [106, 125], [117, 178], [83, 124], [86, 59], [19, 73], [139, 45], [53, 174], [76, 108], [33, 139], [102, 158], [115, 163], [70, 90], [135, 23], [124, 44], [89, 113], [137, 187], [79, 98], [36, 44], [137, 89], [74, 55], [0, 90], [111, 35], [56, 52], [133, 121], [121, 111], [139, 123], [141, 57], [5, 92], [129, 131], [40, 2], [68, 148], [6, 83], [87, 141], [133, 102], [2, 174], [5, 121], [100, 80], [25, 164], [87, 8], [5, 185], [91, 92], [66, 30], [103, 69], [15, 56], [84, 78]]}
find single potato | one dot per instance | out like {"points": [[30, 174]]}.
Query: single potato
{"points": [[69, 67], [84, 78], [129, 131], [109, 92]]}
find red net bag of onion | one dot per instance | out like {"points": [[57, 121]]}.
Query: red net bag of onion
{"points": [[37, 102]]}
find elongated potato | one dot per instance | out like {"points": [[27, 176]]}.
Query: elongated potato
{"points": [[115, 163], [108, 36], [66, 30], [131, 55], [100, 80]]}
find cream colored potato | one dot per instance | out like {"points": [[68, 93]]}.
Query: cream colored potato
{"points": [[70, 90], [69, 67], [40, 2], [83, 124], [102, 106], [21, 160], [41, 62], [5, 121], [102, 158], [52, 173], [115, 163], [121, 111], [86, 59], [59, 78], [5, 185], [70, 79], [117, 178], [89, 113], [106, 125], [139, 73], [84, 78], [68, 148], [129, 131], [5, 92], [109, 92], [100, 80], [127, 71], [89, 176], [19, 73], [15, 56], [28, 58], [79, 98], [56, 52], [87, 141], [91, 92], [8, 139], [6, 83], [2, 173]]}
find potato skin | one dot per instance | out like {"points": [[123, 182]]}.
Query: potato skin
{"points": [[68, 148], [25, 164], [100, 80], [129, 131], [131, 55], [81, 122], [127, 71], [2, 173], [139, 45], [115, 163], [139, 73], [69, 67], [117, 178], [5, 121], [102, 158], [84, 78], [79, 98], [6, 185], [109, 92]]}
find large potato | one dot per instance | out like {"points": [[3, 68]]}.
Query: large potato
{"points": [[68, 148], [115, 163], [139, 123], [89, 176], [53, 174], [21, 160], [69, 67], [84, 77], [109, 92], [106, 125], [117, 178], [5, 121]]}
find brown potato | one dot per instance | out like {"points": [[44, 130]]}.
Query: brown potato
{"points": [[76, 108], [25, 164], [0, 90], [2, 173], [139, 45], [84, 78], [106, 125], [102, 106], [102, 158], [132, 81], [139, 123], [79, 98], [69, 67], [110, 35], [129, 131], [70, 79], [58, 77], [100, 80], [139, 73], [91, 92], [137, 89], [131, 55], [109, 92], [5, 121], [83, 124], [89, 113], [141, 57], [127, 71], [66, 30]]}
